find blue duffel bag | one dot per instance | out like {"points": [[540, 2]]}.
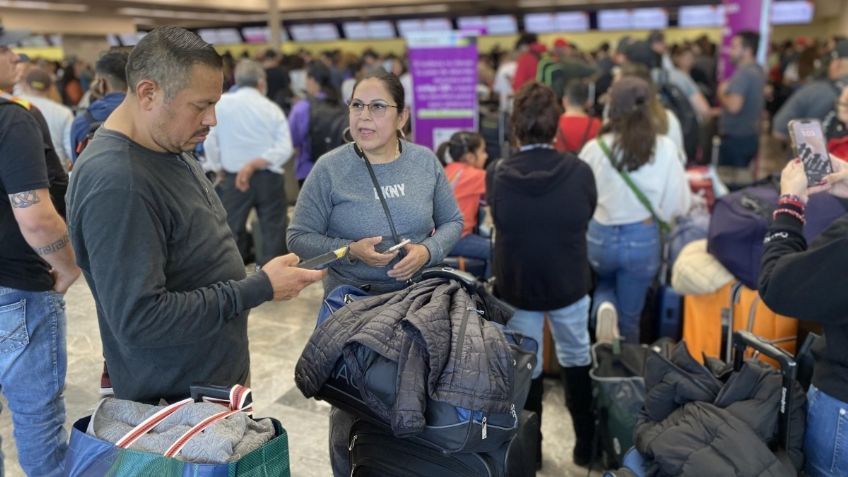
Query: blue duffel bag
{"points": [[448, 428]]}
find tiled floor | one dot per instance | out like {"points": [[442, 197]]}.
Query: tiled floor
{"points": [[278, 332]]}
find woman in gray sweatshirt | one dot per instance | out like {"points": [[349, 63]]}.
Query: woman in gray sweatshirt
{"points": [[339, 204]]}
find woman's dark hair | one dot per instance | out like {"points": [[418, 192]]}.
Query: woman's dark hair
{"points": [[659, 114], [632, 131], [460, 144], [390, 82], [321, 74], [535, 115]]}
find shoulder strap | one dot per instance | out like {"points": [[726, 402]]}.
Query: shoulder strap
{"points": [[562, 139], [379, 190], [585, 133], [664, 227]]}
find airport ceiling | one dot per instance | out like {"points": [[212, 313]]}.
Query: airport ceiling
{"points": [[194, 13]]}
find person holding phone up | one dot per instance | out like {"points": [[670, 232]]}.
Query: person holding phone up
{"points": [[339, 205], [808, 283]]}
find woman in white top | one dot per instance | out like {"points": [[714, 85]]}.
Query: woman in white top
{"points": [[623, 237]]}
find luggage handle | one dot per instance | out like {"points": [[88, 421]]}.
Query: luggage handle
{"points": [[788, 370], [239, 400]]}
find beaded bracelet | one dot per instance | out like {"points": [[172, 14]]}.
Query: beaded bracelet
{"points": [[792, 200], [791, 212]]}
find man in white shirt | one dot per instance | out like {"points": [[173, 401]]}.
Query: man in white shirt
{"points": [[36, 87], [503, 81], [248, 149]]}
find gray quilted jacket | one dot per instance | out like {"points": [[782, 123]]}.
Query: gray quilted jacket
{"points": [[465, 363]]}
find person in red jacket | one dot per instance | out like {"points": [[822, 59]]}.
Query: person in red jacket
{"points": [[528, 62], [576, 127], [836, 127]]}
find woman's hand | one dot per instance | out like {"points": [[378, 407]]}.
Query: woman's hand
{"points": [[416, 257], [837, 182], [363, 250], [793, 180]]}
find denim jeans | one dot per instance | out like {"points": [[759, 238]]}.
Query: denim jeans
{"points": [[475, 246], [826, 437], [626, 259], [33, 361], [570, 330]]}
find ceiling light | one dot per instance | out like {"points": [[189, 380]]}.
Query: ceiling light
{"points": [[185, 15], [49, 6]]}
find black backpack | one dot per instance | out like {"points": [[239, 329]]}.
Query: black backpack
{"points": [[93, 126], [677, 102], [327, 124]]}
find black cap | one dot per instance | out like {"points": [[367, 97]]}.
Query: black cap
{"points": [[641, 53], [623, 43]]}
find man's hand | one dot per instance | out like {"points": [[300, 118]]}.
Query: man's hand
{"points": [[246, 172], [62, 280], [286, 279], [363, 250], [416, 257], [243, 177]]}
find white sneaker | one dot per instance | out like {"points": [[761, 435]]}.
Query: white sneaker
{"points": [[606, 323]]}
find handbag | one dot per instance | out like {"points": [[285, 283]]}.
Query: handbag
{"points": [[89, 456]]}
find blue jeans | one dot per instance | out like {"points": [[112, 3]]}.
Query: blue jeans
{"points": [[569, 328], [33, 361], [626, 259], [826, 437], [475, 246]]}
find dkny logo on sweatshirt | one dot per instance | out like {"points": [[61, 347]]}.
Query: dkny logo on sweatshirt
{"points": [[392, 191]]}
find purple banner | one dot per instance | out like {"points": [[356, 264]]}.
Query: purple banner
{"points": [[741, 15], [444, 79]]}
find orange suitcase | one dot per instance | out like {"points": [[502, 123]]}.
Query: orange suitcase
{"points": [[705, 318]]}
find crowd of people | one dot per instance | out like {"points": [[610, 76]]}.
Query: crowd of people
{"points": [[599, 144]]}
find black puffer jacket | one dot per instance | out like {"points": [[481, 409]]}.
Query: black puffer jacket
{"points": [[465, 363], [695, 424]]}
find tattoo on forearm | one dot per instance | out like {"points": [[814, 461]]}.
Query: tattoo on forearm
{"points": [[53, 247], [22, 200]]}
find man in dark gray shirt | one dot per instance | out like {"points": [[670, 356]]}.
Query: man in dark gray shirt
{"points": [[151, 235], [816, 99], [742, 101]]}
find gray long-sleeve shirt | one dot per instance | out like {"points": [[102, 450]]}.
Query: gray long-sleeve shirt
{"points": [[338, 205], [152, 240]]}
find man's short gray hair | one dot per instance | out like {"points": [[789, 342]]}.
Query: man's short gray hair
{"points": [[249, 73], [166, 56]]}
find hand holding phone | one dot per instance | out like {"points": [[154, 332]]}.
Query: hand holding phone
{"points": [[810, 146], [399, 246]]}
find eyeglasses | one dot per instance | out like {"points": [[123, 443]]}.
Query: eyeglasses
{"points": [[377, 108]]}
